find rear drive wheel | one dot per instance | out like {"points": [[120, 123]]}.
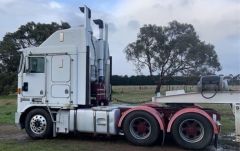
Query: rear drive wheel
{"points": [[38, 124], [192, 131], [141, 128]]}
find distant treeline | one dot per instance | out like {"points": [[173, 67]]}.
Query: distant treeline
{"points": [[148, 80], [8, 83]]}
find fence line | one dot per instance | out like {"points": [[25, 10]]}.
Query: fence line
{"points": [[187, 88]]}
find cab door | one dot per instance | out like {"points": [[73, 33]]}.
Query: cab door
{"points": [[33, 83], [59, 80]]}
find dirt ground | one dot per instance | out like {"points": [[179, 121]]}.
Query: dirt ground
{"points": [[12, 133]]}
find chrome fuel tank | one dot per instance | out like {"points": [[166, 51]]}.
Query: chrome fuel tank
{"points": [[98, 120]]}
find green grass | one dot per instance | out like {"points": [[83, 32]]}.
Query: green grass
{"points": [[43, 145], [227, 117], [8, 97], [132, 96], [7, 109]]}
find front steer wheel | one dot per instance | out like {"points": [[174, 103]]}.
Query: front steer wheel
{"points": [[141, 128], [192, 131], [38, 124]]}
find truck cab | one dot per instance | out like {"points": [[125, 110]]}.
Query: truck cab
{"points": [[67, 70], [70, 70]]}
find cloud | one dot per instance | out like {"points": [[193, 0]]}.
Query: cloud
{"points": [[15, 13], [216, 22], [112, 27], [206, 16], [55, 5], [133, 24]]}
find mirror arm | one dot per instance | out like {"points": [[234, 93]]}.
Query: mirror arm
{"points": [[27, 65]]}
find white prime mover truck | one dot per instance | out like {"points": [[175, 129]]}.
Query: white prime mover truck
{"points": [[64, 86]]}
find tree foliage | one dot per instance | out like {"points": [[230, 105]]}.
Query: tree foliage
{"points": [[28, 35], [172, 50], [175, 80], [31, 34], [235, 80], [151, 80]]}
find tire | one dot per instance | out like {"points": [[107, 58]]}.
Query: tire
{"points": [[192, 131], [136, 124], [38, 124]]}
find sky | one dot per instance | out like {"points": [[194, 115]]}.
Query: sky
{"points": [[216, 22]]}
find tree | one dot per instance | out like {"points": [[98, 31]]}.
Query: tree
{"points": [[31, 34], [234, 80], [172, 50], [28, 35]]}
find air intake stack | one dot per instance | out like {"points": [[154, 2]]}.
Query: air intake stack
{"points": [[99, 22], [101, 51], [87, 16]]}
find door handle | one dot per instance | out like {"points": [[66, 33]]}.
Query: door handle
{"points": [[25, 86], [66, 91], [41, 92]]}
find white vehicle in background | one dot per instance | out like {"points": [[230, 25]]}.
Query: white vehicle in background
{"points": [[64, 86]]}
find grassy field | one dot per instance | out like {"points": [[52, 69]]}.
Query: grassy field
{"points": [[78, 144], [7, 109], [131, 94], [49, 145]]}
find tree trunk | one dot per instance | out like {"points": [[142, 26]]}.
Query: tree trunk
{"points": [[150, 71], [158, 88], [159, 85]]}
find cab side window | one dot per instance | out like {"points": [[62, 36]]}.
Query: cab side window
{"points": [[36, 64]]}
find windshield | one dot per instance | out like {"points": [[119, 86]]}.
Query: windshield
{"points": [[20, 63]]}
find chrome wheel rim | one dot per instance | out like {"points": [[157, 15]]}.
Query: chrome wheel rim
{"points": [[140, 128], [38, 124], [191, 130]]}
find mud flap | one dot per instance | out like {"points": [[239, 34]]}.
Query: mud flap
{"points": [[216, 141], [163, 139]]}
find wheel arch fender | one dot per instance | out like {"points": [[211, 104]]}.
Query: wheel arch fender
{"points": [[147, 109], [192, 110], [26, 111]]}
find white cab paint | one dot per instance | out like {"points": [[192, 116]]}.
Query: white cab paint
{"points": [[36, 84], [61, 68]]}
